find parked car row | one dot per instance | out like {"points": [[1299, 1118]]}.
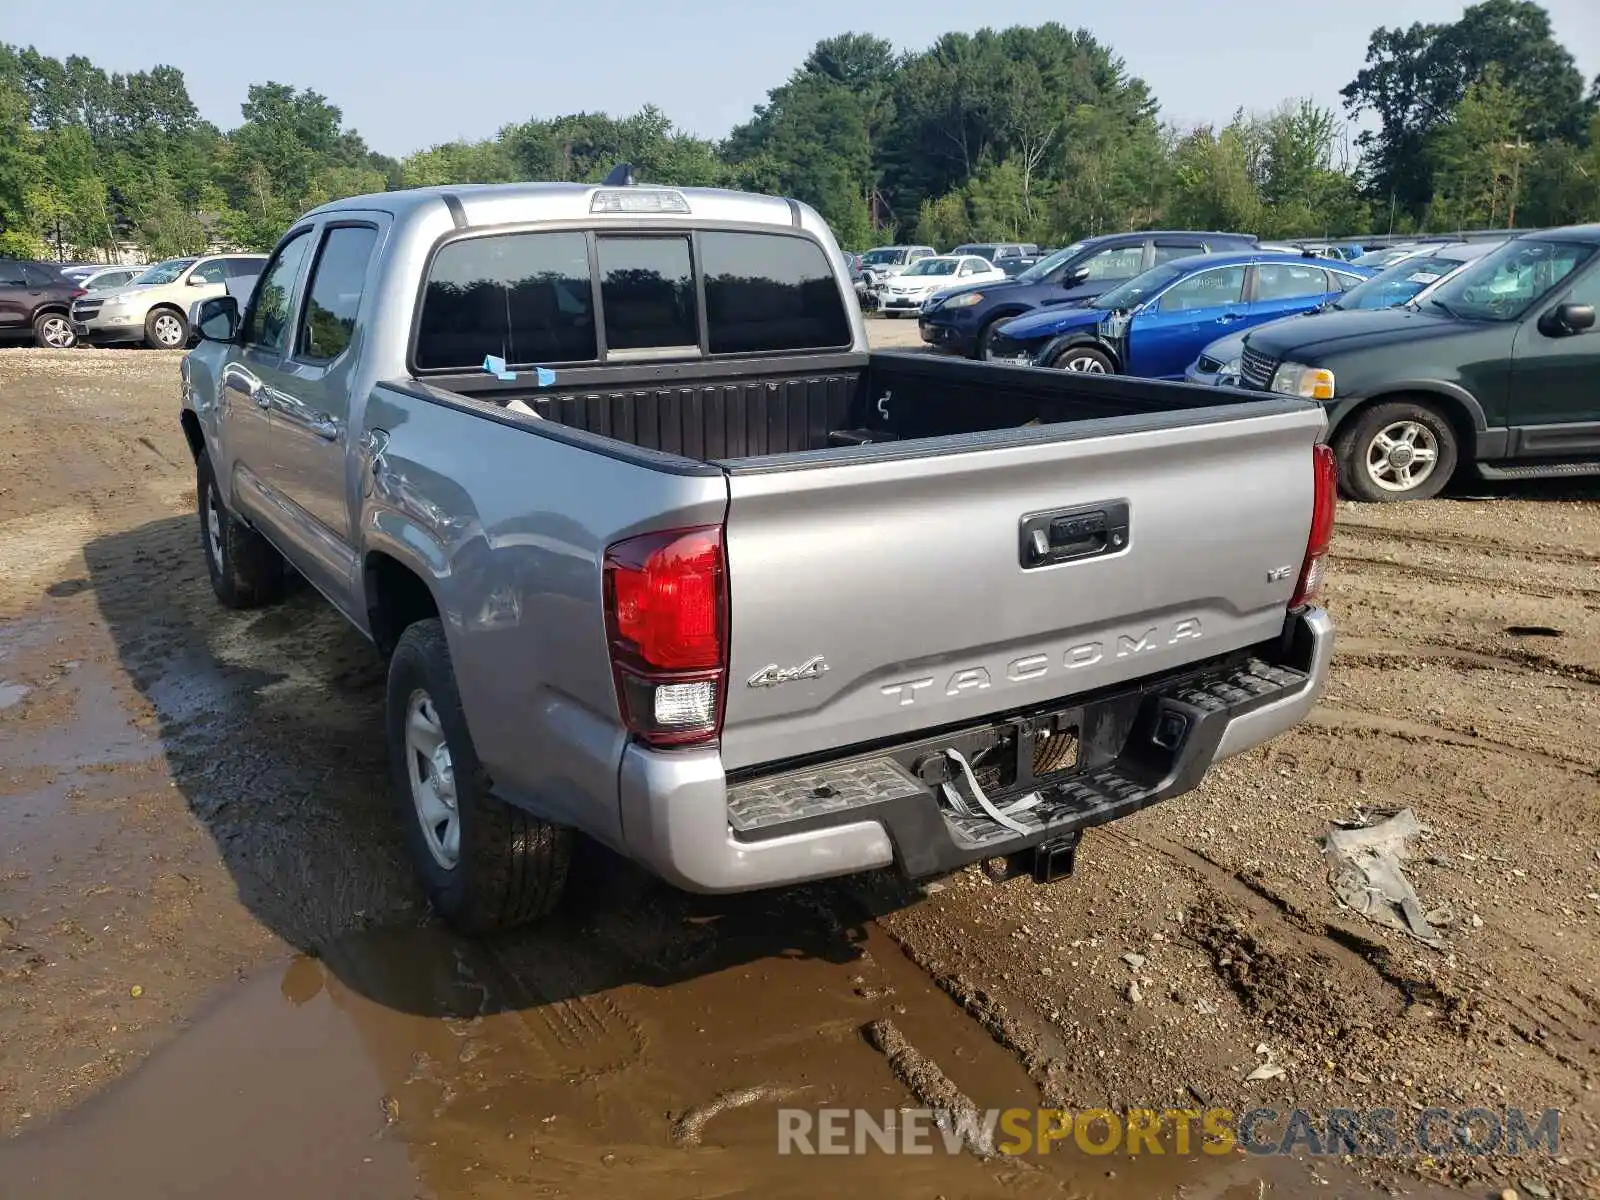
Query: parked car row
{"points": [[1480, 352], [60, 306]]}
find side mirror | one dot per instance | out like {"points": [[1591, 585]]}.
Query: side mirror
{"points": [[218, 319], [1567, 319], [1074, 276], [196, 281]]}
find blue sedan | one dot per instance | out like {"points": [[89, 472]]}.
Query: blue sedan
{"points": [[1158, 322]]}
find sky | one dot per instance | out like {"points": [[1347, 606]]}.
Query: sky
{"points": [[413, 73]]}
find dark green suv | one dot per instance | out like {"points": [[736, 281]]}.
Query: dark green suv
{"points": [[1498, 366]]}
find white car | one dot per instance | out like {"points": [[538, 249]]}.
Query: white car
{"points": [[906, 292]]}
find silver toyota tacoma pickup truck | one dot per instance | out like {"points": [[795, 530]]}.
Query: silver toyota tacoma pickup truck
{"points": [[659, 552]]}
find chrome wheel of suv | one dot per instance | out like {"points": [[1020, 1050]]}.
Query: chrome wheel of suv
{"points": [[1401, 456]]}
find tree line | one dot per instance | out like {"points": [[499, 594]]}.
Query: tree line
{"points": [[1023, 134]]}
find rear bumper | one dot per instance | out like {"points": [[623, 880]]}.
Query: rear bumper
{"points": [[682, 819]]}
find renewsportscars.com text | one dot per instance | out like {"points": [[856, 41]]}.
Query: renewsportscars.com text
{"points": [[1371, 1132]]}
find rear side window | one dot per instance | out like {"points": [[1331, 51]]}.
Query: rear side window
{"points": [[647, 292], [244, 268], [42, 277], [337, 280], [524, 297], [1289, 281], [767, 292]]}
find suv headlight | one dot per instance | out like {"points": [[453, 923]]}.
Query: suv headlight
{"points": [[1297, 379], [965, 300]]}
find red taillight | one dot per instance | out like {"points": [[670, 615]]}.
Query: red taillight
{"points": [[1324, 504], [76, 292], [667, 619]]}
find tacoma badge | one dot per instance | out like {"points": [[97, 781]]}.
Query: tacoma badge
{"points": [[772, 674]]}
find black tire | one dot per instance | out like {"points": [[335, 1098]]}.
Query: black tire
{"points": [[1359, 454], [53, 331], [511, 867], [980, 346], [246, 570], [166, 329], [1084, 360]]}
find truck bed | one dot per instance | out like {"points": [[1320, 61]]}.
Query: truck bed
{"points": [[822, 406]]}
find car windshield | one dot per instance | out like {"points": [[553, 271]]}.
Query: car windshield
{"points": [[165, 272], [1398, 284], [1045, 266], [933, 266], [882, 258], [1504, 284], [1140, 288]]}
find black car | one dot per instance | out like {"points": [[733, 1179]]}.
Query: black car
{"points": [[1495, 367], [961, 320], [35, 298]]}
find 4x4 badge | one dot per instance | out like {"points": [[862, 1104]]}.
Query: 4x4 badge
{"points": [[772, 674]]}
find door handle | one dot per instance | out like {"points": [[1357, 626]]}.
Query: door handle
{"points": [[325, 427], [1229, 318]]}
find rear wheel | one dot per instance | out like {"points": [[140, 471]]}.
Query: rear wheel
{"points": [[246, 571], [484, 864], [1083, 360], [166, 329], [53, 331], [1401, 450]]}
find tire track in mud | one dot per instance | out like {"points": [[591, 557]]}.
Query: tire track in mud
{"points": [[1454, 575], [1497, 549]]}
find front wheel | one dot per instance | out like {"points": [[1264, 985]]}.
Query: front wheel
{"points": [[53, 331], [484, 864], [1083, 360], [166, 329], [246, 570], [1396, 451]]}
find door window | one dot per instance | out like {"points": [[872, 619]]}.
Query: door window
{"points": [[1289, 281], [1122, 262], [1208, 289], [647, 293], [1586, 291], [334, 294], [268, 321], [211, 272]]}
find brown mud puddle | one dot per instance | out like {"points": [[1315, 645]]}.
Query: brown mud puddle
{"points": [[407, 1063]]}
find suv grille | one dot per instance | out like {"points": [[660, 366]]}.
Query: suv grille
{"points": [[1255, 370], [85, 308]]}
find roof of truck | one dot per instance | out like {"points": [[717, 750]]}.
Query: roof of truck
{"points": [[494, 203]]}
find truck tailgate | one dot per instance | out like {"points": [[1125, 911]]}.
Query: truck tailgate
{"points": [[888, 595]]}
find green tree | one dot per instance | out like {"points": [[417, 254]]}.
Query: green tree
{"points": [[1415, 77], [1477, 158]]}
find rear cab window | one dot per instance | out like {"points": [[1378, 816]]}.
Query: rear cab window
{"points": [[565, 298]]}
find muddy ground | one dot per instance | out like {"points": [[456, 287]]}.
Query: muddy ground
{"points": [[216, 976]]}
